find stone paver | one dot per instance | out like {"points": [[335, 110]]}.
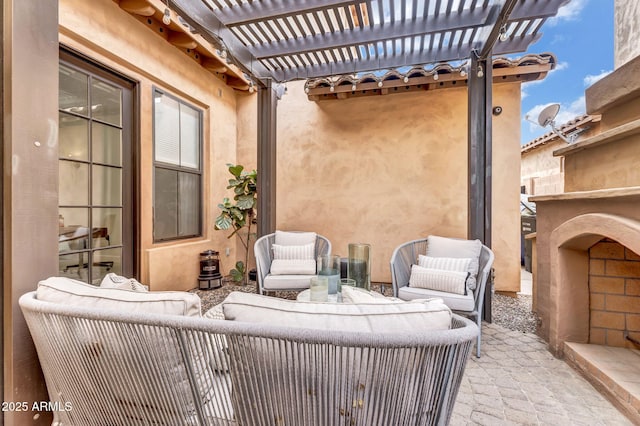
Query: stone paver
{"points": [[518, 382]]}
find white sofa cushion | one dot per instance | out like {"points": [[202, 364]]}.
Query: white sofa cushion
{"points": [[72, 292], [284, 238], [287, 282], [419, 316], [457, 302], [439, 279], [451, 247], [293, 267], [304, 251]]}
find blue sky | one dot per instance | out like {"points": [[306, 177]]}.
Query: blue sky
{"points": [[581, 37]]}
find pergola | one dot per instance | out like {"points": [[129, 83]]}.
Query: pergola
{"points": [[275, 41]]}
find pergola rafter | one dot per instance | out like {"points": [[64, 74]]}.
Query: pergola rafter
{"points": [[284, 40]]}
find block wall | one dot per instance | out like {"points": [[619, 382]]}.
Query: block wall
{"points": [[614, 289]]}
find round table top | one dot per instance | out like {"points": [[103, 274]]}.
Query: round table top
{"points": [[305, 296]]}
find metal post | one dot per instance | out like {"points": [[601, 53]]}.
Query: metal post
{"points": [[479, 157], [267, 142]]}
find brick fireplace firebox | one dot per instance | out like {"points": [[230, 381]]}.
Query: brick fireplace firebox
{"points": [[614, 295]]}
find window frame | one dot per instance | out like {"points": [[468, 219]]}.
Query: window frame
{"points": [[179, 169]]}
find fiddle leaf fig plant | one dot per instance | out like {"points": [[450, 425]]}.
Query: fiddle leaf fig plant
{"points": [[239, 214]]}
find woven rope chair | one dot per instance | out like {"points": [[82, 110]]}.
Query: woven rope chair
{"points": [[406, 255], [264, 256], [122, 368]]}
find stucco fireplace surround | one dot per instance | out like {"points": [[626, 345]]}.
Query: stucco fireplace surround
{"points": [[588, 247]]}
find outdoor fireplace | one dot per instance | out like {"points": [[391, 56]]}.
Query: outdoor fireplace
{"points": [[595, 280], [588, 296]]}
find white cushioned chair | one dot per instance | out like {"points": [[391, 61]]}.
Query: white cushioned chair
{"points": [[468, 303], [295, 264]]}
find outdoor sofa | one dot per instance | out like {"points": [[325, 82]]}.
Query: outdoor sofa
{"points": [[110, 357]]}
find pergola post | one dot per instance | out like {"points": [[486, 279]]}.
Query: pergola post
{"points": [[479, 158], [267, 116]]}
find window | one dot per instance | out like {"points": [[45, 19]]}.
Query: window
{"points": [[177, 139]]}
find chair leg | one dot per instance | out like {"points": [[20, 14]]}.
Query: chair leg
{"points": [[479, 337]]}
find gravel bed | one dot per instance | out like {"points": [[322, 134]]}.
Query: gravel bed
{"points": [[513, 313]]}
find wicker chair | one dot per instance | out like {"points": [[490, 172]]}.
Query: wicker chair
{"points": [[264, 257], [406, 255], [123, 368]]}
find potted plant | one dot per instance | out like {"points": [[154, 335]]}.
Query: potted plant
{"points": [[240, 214]]}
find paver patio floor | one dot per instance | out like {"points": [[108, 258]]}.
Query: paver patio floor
{"points": [[518, 381]]}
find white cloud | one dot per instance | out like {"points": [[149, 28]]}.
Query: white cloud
{"points": [[567, 113], [590, 79], [569, 12]]}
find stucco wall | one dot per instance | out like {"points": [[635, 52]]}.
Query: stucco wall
{"points": [[388, 169], [627, 31], [592, 168], [541, 172], [616, 162], [106, 33]]}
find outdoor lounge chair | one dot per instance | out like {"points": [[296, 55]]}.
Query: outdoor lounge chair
{"points": [[105, 366], [268, 279], [469, 304]]}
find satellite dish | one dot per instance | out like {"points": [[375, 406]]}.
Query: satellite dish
{"points": [[548, 114]]}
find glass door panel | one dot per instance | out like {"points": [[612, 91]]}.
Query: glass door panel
{"points": [[106, 102], [92, 150], [73, 95], [106, 144], [107, 186], [109, 219], [73, 232], [73, 137], [74, 183]]}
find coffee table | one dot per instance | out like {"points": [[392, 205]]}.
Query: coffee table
{"points": [[305, 296]]}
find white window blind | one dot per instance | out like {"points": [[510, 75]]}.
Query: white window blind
{"points": [[167, 129]]}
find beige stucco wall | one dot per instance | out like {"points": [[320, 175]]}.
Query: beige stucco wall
{"points": [[592, 168], [106, 33], [388, 169], [616, 162], [541, 172], [627, 31]]}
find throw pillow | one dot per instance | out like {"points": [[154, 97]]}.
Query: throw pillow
{"points": [[295, 238], [112, 280], [305, 251], [462, 264], [360, 295], [437, 279], [452, 247]]}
